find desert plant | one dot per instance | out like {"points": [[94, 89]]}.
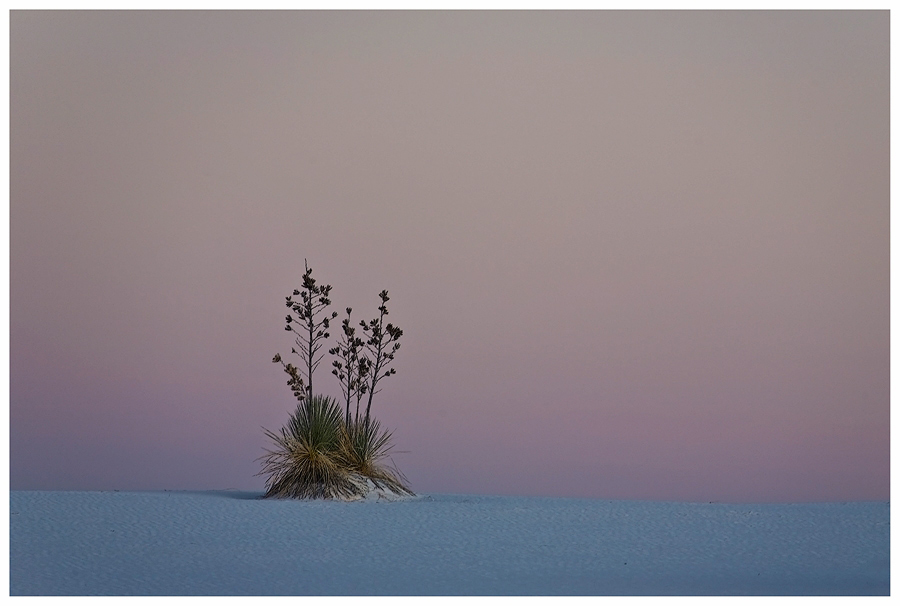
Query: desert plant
{"points": [[313, 301], [366, 447], [321, 453], [350, 367], [310, 456], [317, 456], [382, 343]]}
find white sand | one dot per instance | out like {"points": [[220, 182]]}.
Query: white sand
{"points": [[182, 543]]}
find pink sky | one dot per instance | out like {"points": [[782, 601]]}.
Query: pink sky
{"points": [[634, 255]]}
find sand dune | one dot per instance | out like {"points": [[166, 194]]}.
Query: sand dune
{"points": [[215, 543]]}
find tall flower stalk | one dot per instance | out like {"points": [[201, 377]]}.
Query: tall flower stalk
{"points": [[350, 367], [382, 344], [310, 329]]}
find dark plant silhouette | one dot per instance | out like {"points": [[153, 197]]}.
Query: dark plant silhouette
{"points": [[382, 344], [310, 331], [350, 367]]}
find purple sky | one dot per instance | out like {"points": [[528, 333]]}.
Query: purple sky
{"points": [[634, 255]]}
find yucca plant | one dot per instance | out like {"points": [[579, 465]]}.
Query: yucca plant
{"points": [[366, 446], [322, 453], [309, 460]]}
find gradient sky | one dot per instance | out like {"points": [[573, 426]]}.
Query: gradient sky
{"points": [[634, 255]]}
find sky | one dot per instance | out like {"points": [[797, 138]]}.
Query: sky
{"points": [[634, 255]]}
